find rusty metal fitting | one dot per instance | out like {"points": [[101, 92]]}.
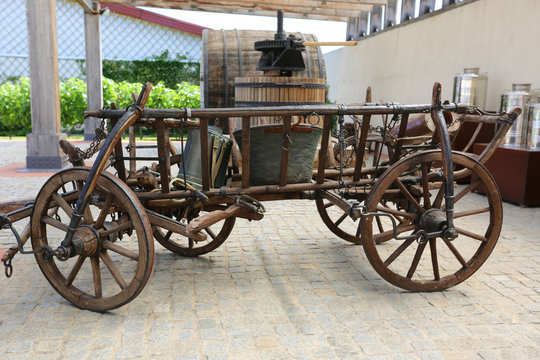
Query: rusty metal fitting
{"points": [[450, 234]]}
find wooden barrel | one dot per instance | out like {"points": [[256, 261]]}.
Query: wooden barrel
{"points": [[228, 54], [279, 91]]}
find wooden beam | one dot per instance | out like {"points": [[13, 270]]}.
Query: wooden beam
{"points": [[376, 19], [308, 9], [94, 77], [261, 12], [390, 14], [427, 6], [42, 145], [308, 4], [358, 27], [89, 7], [407, 10]]}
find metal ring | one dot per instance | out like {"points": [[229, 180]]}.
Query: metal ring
{"points": [[288, 138], [8, 268]]}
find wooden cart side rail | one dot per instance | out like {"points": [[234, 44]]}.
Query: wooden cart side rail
{"points": [[21, 209], [298, 110], [503, 122], [361, 147], [14, 205], [255, 190]]}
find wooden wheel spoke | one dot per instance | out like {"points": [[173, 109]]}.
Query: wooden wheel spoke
{"points": [[434, 260], [113, 269], [456, 253], [425, 185], [104, 211], [379, 224], [123, 226], [416, 259], [471, 212], [389, 234], [359, 230], [191, 243], [467, 190], [120, 250], [88, 218], [55, 223], [211, 233], [341, 218], [96, 273], [328, 204], [167, 236], [63, 204], [397, 213], [75, 270], [398, 252], [437, 203], [409, 197], [471, 234]]}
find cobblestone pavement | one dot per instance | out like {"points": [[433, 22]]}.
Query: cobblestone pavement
{"points": [[283, 288]]}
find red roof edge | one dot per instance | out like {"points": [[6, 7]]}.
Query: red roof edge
{"points": [[155, 18]]}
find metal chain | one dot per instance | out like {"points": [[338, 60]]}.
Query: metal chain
{"points": [[458, 119], [101, 134], [378, 129]]}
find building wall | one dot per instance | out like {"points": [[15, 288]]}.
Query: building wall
{"points": [[501, 37]]}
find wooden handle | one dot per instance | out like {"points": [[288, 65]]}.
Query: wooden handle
{"points": [[330, 43], [206, 220]]}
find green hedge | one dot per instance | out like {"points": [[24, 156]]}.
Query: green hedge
{"points": [[157, 68], [15, 107], [15, 101]]}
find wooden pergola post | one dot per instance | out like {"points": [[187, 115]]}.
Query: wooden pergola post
{"points": [[42, 145], [94, 78]]}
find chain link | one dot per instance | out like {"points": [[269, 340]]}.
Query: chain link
{"points": [[101, 134]]}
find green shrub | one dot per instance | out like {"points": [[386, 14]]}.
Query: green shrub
{"points": [[15, 107], [15, 101], [72, 102], [162, 67]]}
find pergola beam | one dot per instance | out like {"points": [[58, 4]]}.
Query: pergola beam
{"points": [[316, 5], [307, 4], [263, 12], [337, 10]]}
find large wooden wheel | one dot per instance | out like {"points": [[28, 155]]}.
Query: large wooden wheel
{"points": [[114, 246], [412, 193], [184, 246]]}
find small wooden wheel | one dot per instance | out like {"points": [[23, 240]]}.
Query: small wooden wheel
{"points": [[338, 221], [114, 246], [184, 246], [412, 192]]}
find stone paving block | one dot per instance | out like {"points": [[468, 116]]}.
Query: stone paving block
{"points": [[284, 288]]}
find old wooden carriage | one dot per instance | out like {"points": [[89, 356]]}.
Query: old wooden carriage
{"points": [[92, 232]]}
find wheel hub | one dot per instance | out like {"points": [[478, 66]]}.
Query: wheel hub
{"points": [[433, 220], [86, 241]]}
